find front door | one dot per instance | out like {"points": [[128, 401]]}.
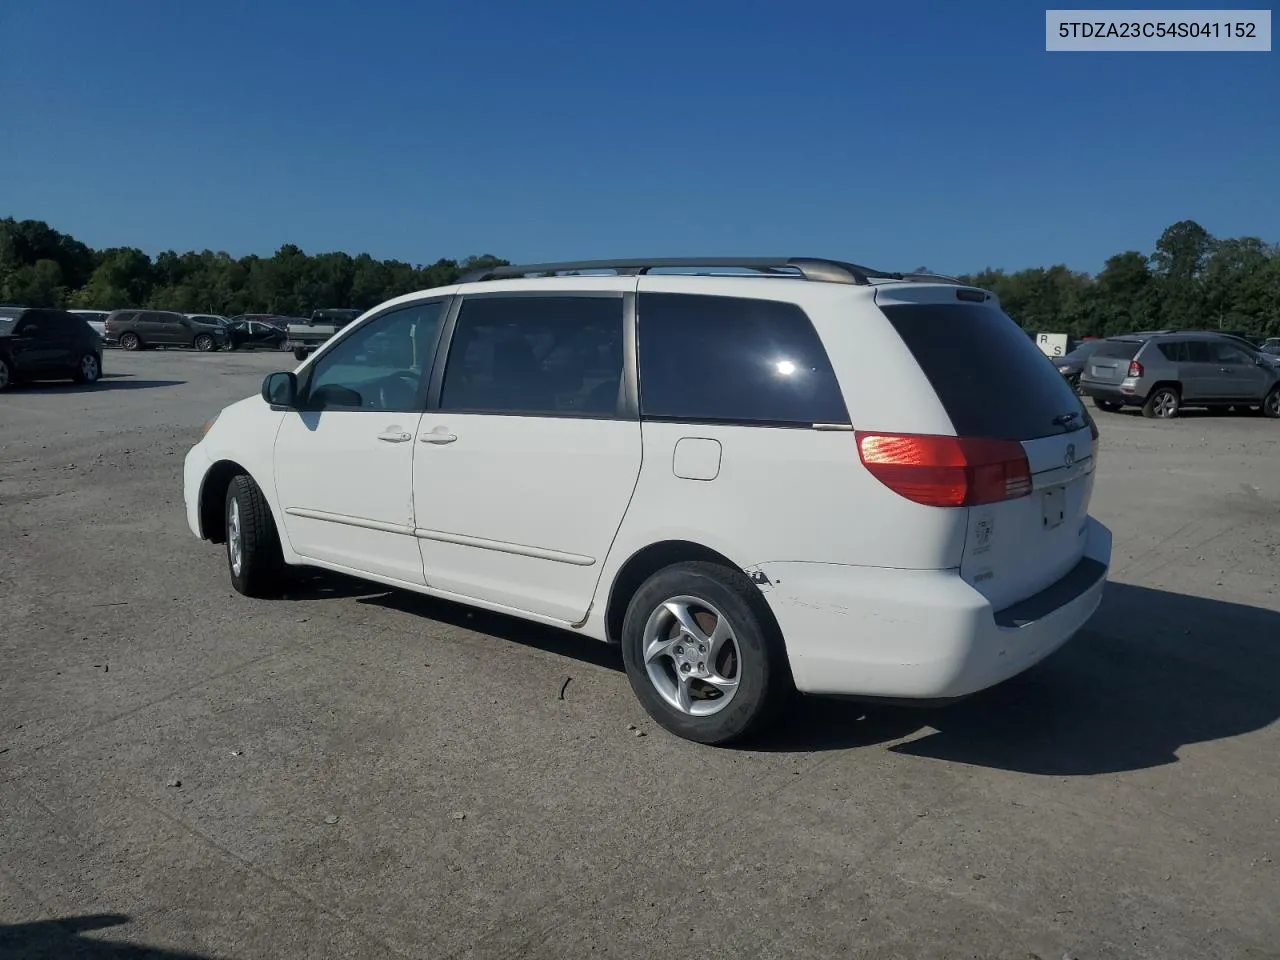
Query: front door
{"points": [[344, 461], [523, 473], [38, 345], [1237, 374]]}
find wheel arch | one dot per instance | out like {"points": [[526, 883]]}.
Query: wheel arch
{"points": [[647, 561], [213, 496], [1174, 385]]}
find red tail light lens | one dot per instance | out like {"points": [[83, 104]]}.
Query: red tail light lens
{"points": [[1135, 368], [946, 471], [1093, 447]]}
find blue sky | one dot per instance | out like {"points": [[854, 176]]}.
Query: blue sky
{"points": [[898, 134]]}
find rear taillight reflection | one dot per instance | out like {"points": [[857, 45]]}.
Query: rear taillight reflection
{"points": [[946, 471]]}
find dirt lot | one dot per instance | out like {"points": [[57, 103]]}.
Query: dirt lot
{"points": [[357, 772]]}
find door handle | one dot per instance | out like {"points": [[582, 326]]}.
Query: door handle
{"points": [[438, 436], [395, 436]]}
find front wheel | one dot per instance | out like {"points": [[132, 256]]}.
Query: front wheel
{"points": [[703, 655], [89, 369], [253, 543], [204, 343], [130, 341], [1163, 404], [1271, 405]]}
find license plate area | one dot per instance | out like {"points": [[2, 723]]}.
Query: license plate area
{"points": [[1053, 507]]}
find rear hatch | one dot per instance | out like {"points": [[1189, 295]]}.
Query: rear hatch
{"points": [[1110, 362], [1021, 422]]}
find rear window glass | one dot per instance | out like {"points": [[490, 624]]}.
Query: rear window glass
{"points": [[1120, 349], [710, 359], [991, 379]]}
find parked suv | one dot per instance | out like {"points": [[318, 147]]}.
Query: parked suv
{"points": [[1164, 372], [809, 477], [40, 344], [140, 329]]}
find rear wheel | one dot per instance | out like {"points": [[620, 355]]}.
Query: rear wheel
{"points": [[130, 341], [1162, 404], [1109, 405], [6, 374], [703, 655], [253, 544], [88, 370], [1271, 405]]}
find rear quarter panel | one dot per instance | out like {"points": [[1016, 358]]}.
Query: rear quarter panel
{"points": [[798, 494]]}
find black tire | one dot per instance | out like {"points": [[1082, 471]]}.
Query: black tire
{"points": [[757, 659], [88, 369], [130, 341], [261, 570], [204, 343], [1110, 406], [299, 353], [6, 374], [1162, 404], [1271, 405]]}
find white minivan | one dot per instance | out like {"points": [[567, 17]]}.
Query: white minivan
{"points": [[756, 476]]}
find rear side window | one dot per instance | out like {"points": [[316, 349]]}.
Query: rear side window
{"points": [[991, 379], [536, 355], [733, 360], [1198, 351], [1175, 350], [1119, 349]]}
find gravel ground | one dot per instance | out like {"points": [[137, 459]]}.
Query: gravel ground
{"points": [[360, 772]]}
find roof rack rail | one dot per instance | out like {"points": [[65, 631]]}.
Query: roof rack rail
{"points": [[809, 268]]}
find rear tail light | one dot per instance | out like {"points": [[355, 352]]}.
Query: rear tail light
{"points": [[1093, 446], [946, 471], [1135, 368]]}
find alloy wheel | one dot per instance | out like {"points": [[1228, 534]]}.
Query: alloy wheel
{"points": [[691, 656], [235, 539]]}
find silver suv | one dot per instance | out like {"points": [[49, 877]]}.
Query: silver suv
{"points": [[1166, 371]]}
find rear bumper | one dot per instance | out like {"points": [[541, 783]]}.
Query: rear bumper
{"points": [[922, 634], [1117, 393]]}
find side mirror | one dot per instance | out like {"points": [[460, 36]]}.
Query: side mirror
{"points": [[281, 390]]}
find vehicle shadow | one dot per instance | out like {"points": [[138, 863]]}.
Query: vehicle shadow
{"points": [[322, 585], [1154, 671], [61, 940], [109, 381]]}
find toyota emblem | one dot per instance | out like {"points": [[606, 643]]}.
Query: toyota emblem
{"points": [[1070, 457]]}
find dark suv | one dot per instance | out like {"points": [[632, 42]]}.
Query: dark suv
{"points": [[140, 329], [39, 344]]}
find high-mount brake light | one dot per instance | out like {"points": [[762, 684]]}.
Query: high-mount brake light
{"points": [[941, 471]]}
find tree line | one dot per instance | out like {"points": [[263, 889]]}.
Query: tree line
{"points": [[1191, 280]]}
